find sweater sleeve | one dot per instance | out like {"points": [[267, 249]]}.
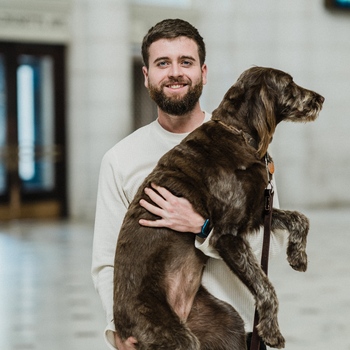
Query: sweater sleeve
{"points": [[111, 207]]}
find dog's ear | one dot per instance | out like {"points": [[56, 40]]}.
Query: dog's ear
{"points": [[230, 104], [234, 98], [264, 119]]}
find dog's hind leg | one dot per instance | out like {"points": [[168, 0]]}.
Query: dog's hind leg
{"points": [[297, 226], [216, 324], [156, 326], [239, 257]]}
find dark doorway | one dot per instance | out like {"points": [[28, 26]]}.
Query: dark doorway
{"points": [[32, 131]]}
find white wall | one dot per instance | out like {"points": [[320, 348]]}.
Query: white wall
{"points": [[99, 93], [298, 36], [35, 20], [313, 45]]}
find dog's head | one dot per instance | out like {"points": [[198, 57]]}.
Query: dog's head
{"points": [[263, 97]]}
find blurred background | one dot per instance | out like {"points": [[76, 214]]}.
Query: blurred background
{"points": [[71, 86]]}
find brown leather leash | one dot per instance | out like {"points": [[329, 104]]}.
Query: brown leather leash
{"points": [[268, 204]]}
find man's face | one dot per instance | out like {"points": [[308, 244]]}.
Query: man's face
{"points": [[175, 77]]}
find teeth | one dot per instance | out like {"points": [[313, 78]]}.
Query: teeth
{"points": [[175, 86]]}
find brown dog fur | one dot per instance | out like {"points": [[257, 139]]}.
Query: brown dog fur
{"points": [[220, 169]]}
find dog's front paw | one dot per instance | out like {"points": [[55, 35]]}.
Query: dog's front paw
{"points": [[297, 257], [277, 341], [296, 253], [271, 337]]}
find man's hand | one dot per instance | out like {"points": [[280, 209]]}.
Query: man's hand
{"points": [[129, 343], [176, 213]]}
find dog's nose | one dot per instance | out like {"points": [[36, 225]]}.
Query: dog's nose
{"points": [[320, 98]]}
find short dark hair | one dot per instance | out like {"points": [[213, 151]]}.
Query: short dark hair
{"points": [[171, 29]]}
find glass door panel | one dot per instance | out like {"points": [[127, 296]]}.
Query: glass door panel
{"points": [[3, 128], [35, 123], [32, 131]]}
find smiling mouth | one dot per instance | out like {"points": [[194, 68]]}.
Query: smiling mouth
{"points": [[176, 86]]}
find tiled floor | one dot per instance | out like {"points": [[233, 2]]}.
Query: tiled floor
{"points": [[47, 300], [315, 305]]}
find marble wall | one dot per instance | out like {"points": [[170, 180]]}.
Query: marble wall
{"points": [[301, 37], [99, 93]]}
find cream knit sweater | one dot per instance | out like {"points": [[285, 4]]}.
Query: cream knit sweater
{"points": [[123, 169]]}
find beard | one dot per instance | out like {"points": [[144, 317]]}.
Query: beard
{"points": [[178, 105]]}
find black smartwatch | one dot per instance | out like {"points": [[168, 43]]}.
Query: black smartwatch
{"points": [[205, 230]]}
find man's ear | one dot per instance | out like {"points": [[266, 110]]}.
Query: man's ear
{"points": [[145, 74], [204, 73]]}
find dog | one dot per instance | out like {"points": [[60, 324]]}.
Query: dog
{"points": [[220, 168]]}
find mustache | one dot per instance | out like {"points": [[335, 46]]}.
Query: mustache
{"points": [[177, 81]]}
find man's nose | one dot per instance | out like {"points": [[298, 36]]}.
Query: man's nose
{"points": [[175, 71]]}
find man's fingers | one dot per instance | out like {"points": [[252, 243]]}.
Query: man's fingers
{"points": [[162, 191], [151, 208], [155, 197], [129, 343], [152, 223], [174, 212]]}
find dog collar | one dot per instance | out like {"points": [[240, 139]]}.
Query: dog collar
{"points": [[247, 138]]}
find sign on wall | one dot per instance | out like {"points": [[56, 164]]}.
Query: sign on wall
{"points": [[34, 20]]}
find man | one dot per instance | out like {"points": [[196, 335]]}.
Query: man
{"points": [[175, 72]]}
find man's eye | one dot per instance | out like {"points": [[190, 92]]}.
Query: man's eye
{"points": [[186, 63], [162, 64]]}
